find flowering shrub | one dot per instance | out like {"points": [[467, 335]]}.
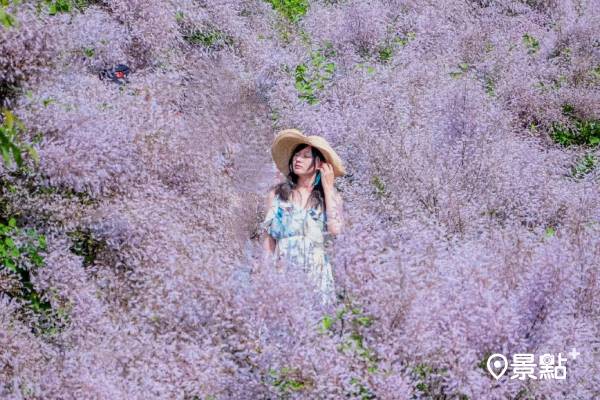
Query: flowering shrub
{"points": [[472, 204], [26, 49]]}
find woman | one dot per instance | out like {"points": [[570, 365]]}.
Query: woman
{"points": [[305, 208]]}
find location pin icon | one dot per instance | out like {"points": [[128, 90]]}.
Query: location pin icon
{"points": [[497, 365]]}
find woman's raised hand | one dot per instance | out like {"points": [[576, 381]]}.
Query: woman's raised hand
{"points": [[326, 175]]}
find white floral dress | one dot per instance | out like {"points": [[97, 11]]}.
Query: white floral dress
{"points": [[300, 237]]}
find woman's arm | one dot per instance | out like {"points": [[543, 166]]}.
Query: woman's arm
{"points": [[268, 241], [335, 214]]}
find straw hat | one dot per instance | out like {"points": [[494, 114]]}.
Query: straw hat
{"points": [[288, 139]]}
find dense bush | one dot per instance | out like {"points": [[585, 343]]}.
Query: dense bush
{"points": [[472, 228], [25, 49]]}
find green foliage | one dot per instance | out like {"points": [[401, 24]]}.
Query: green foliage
{"points": [[555, 84], [83, 197], [385, 51], [431, 384], [287, 32], [20, 251], [489, 85], [47, 101], [595, 73], [584, 166], [284, 30], [486, 77], [369, 68], [380, 189], [524, 394], [206, 36], [288, 380], [403, 40], [532, 44], [54, 7], [348, 322], [6, 19], [361, 390], [89, 52], [105, 106], [462, 69], [581, 132], [563, 52], [10, 145], [293, 10], [305, 37], [429, 381], [85, 245], [209, 38], [483, 363], [559, 81], [274, 115], [423, 370], [312, 76]]}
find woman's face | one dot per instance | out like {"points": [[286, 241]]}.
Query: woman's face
{"points": [[302, 162]]}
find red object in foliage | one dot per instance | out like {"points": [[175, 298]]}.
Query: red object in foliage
{"points": [[119, 74]]}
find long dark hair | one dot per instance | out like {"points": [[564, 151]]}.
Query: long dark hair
{"points": [[284, 189]]}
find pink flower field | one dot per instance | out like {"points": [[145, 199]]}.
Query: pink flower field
{"points": [[131, 260]]}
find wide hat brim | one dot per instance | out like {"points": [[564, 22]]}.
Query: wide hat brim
{"points": [[287, 140]]}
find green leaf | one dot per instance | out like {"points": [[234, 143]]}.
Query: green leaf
{"points": [[6, 156], [330, 67], [327, 322], [6, 19], [9, 242], [42, 242], [10, 264], [38, 261], [17, 155], [531, 43], [456, 74], [33, 154]]}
